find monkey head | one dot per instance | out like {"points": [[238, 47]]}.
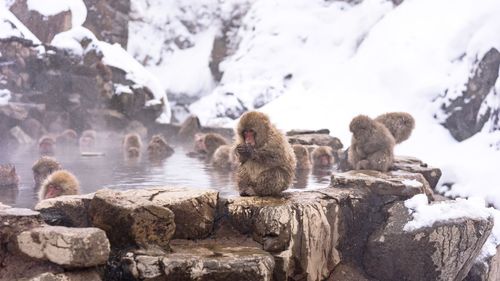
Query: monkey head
{"points": [[254, 129], [43, 167], [360, 124], [59, 183], [8, 175]]}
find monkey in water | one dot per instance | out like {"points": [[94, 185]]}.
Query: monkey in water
{"points": [[206, 144], [132, 145], [8, 175], [189, 128], [267, 161], [67, 137], [400, 124], [46, 145], [372, 145], [224, 158], [87, 139], [42, 168], [159, 149], [323, 157], [59, 183], [303, 167]]}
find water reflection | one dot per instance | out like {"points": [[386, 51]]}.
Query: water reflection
{"points": [[113, 170]]}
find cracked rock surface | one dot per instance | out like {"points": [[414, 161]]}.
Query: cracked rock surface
{"points": [[70, 210], [69, 247]]}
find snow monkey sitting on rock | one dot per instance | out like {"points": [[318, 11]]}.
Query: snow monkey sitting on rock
{"points": [[372, 145], [267, 160], [59, 183], [400, 124]]}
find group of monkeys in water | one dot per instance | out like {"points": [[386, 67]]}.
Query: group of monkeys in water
{"points": [[264, 160]]}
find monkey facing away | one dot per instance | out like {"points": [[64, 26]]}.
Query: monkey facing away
{"points": [[8, 175], [267, 160], [43, 167], [322, 157], [67, 137], [132, 145], [372, 145], [59, 183], [189, 128], [158, 148], [224, 158], [400, 124]]}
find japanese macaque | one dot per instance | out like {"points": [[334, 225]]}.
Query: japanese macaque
{"points": [[224, 158], [400, 124], [46, 145], [302, 156], [303, 167], [59, 183], [372, 145], [87, 139], [132, 145], [323, 157], [267, 161], [208, 143], [159, 149], [42, 168], [8, 175], [189, 128], [67, 137]]}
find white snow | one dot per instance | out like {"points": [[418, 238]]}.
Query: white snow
{"points": [[54, 7], [114, 55], [11, 26], [5, 96], [412, 183]]}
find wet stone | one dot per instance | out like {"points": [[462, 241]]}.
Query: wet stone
{"points": [[71, 210], [414, 165]]}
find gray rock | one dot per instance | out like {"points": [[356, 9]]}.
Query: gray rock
{"points": [[485, 269], [202, 261], [131, 221], [194, 209], [445, 251], [16, 220], [414, 165], [401, 184], [68, 247], [18, 136], [348, 272], [316, 139], [307, 132], [83, 275], [71, 210], [464, 118], [13, 111]]}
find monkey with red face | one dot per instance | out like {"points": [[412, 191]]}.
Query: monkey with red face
{"points": [[46, 145], [267, 161], [59, 183]]}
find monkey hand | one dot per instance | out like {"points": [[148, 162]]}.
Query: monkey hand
{"points": [[245, 151]]}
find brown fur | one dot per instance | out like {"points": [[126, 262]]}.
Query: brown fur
{"points": [[43, 167], [158, 148], [322, 151], [400, 124], [67, 137], [87, 139], [267, 168], [372, 145], [8, 175], [302, 156], [224, 158], [46, 145], [212, 141], [66, 184], [189, 128], [132, 145]]}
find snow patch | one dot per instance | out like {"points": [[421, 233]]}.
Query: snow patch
{"points": [[54, 7], [412, 183], [5, 96]]}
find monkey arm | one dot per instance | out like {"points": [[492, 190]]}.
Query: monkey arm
{"points": [[268, 156], [244, 152]]}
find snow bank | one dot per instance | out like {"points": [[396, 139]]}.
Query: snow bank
{"points": [[10, 26], [425, 215], [54, 7], [114, 55]]}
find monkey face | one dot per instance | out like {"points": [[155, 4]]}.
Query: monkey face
{"points": [[360, 123], [249, 136], [8, 175], [52, 191]]}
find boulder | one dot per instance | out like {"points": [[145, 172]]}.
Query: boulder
{"points": [[131, 221], [108, 20], [307, 132], [68, 247], [194, 209], [18, 136], [348, 272], [414, 165], [202, 261], [44, 27], [401, 184], [82, 275], [445, 251], [70, 211], [15, 221], [316, 139], [485, 269]]}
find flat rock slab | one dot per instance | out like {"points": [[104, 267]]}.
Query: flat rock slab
{"points": [[414, 165], [194, 209], [68, 247], [445, 251], [83, 275], [131, 221], [71, 210], [401, 184], [316, 139], [202, 261], [16, 220]]}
